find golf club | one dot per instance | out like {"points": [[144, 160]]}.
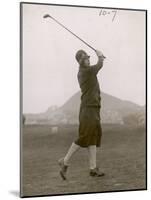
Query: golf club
{"points": [[48, 16]]}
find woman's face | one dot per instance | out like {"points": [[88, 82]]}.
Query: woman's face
{"points": [[86, 62]]}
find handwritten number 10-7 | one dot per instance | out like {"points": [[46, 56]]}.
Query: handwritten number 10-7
{"points": [[105, 13]]}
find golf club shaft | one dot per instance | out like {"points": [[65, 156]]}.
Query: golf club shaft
{"points": [[71, 32]]}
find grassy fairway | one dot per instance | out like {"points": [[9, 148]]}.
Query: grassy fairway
{"points": [[121, 157]]}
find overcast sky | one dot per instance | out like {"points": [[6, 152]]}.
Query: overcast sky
{"points": [[49, 65]]}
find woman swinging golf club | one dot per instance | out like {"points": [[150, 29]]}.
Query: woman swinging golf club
{"points": [[89, 116]]}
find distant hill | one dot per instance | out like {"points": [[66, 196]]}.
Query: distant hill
{"points": [[108, 102], [113, 110]]}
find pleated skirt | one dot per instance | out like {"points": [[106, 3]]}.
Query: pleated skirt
{"points": [[90, 130]]}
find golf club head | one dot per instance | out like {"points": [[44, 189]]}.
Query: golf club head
{"points": [[46, 16]]}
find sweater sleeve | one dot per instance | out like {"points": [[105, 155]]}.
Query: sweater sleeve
{"points": [[95, 68]]}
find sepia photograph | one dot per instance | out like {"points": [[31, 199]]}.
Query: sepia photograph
{"points": [[83, 74]]}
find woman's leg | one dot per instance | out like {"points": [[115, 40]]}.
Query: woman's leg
{"points": [[92, 156], [94, 170], [73, 148], [64, 162]]}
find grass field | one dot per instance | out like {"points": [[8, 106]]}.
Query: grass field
{"points": [[121, 157]]}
